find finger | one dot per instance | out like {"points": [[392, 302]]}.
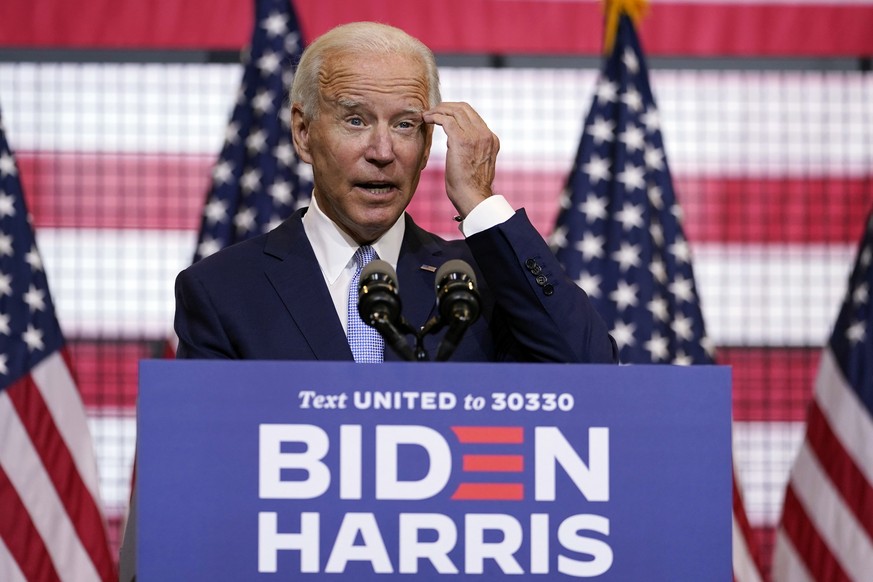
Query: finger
{"points": [[462, 113], [445, 119], [459, 120]]}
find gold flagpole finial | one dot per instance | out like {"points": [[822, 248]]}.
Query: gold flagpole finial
{"points": [[636, 9]]}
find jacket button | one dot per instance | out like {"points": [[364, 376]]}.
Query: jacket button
{"points": [[530, 263], [542, 280], [548, 289]]}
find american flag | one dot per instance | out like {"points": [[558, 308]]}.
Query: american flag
{"points": [[619, 234], [51, 521], [258, 180], [619, 231], [826, 529]]}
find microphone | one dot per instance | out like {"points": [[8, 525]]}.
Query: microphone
{"points": [[457, 303], [379, 305]]}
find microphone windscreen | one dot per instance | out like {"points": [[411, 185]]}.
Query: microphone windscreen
{"points": [[379, 267], [455, 267]]}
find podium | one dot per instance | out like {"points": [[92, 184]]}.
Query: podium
{"points": [[426, 471]]}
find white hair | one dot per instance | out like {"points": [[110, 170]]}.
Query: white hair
{"points": [[359, 38]]}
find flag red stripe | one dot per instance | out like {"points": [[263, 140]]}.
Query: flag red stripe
{"points": [[142, 191], [493, 463], [120, 193], [853, 486], [771, 384], [21, 537], [454, 26], [489, 492], [810, 209], [811, 548], [107, 372], [115, 525], [757, 29], [58, 462], [761, 540], [489, 434]]}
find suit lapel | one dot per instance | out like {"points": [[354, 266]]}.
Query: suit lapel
{"points": [[416, 266], [297, 279]]}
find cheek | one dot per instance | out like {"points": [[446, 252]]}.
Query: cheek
{"points": [[414, 151], [343, 152], [333, 161]]}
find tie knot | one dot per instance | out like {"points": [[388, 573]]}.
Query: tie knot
{"points": [[364, 255]]}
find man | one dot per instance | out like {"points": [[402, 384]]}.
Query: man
{"points": [[365, 100]]}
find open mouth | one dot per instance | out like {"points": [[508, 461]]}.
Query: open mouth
{"points": [[376, 187]]}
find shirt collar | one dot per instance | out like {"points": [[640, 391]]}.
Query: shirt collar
{"points": [[334, 249]]}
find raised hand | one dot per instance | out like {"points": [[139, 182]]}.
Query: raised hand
{"points": [[471, 157]]}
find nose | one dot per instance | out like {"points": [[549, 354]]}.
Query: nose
{"points": [[380, 150]]}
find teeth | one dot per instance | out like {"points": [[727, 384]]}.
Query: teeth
{"points": [[378, 189]]}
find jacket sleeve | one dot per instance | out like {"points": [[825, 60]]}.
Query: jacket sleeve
{"points": [[197, 325], [549, 318]]}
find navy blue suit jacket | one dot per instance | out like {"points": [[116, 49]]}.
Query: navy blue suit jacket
{"points": [[266, 299]]}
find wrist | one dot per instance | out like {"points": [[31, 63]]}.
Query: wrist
{"points": [[489, 212]]}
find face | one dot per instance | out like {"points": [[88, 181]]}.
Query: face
{"points": [[368, 144]]}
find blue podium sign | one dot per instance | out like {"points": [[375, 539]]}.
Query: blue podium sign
{"points": [[426, 471]]}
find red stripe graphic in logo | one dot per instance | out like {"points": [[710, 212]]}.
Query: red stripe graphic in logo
{"points": [[485, 463]]}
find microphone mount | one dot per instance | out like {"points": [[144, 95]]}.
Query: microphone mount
{"points": [[457, 299], [379, 306]]}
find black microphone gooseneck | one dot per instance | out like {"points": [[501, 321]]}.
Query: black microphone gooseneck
{"points": [[458, 304], [379, 306]]}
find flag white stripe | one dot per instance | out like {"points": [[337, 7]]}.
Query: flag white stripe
{"points": [[787, 565], [119, 283], [115, 441], [763, 455], [846, 414], [108, 107], [835, 523], [750, 292], [160, 108], [745, 569], [21, 462], [9, 570], [114, 283], [62, 398]]}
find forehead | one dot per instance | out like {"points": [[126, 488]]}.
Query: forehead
{"points": [[363, 76]]}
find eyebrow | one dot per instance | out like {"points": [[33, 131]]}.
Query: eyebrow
{"points": [[348, 103]]}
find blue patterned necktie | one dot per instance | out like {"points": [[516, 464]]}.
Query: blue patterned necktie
{"points": [[366, 343]]}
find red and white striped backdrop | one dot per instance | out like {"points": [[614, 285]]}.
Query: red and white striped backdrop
{"points": [[773, 170]]}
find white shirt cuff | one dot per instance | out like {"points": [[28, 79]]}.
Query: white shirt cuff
{"points": [[490, 212]]}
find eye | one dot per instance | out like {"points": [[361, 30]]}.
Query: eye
{"points": [[356, 121]]}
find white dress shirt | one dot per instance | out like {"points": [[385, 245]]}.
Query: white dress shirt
{"points": [[335, 250]]}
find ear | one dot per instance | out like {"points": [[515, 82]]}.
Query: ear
{"points": [[300, 132]]}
